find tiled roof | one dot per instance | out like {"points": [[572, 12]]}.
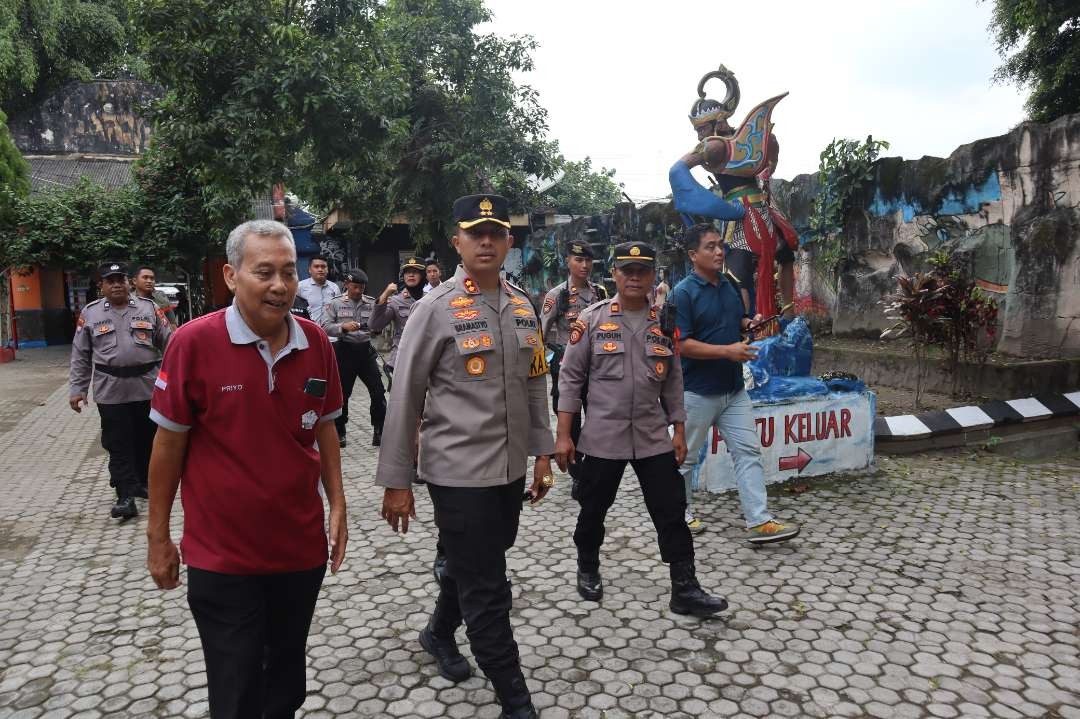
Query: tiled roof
{"points": [[53, 172]]}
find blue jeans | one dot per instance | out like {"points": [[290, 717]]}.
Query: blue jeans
{"points": [[733, 416]]}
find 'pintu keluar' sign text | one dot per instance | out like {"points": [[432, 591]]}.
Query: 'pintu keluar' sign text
{"points": [[805, 437]]}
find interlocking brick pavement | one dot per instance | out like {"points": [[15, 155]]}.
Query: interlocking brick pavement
{"points": [[943, 586]]}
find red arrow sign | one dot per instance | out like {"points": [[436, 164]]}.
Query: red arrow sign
{"points": [[797, 462]]}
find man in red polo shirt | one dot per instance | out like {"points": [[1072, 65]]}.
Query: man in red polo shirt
{"points": [[245, 403]]}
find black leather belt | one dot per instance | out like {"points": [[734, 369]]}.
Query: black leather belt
{"points": [[134, 370]]}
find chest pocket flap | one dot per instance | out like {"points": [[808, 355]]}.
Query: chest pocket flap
{"points": [[608, 359], [473, 342]]}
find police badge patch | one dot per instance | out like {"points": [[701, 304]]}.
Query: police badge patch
{"points": [[577, 329]]}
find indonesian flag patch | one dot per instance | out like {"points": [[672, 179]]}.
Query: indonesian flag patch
{"points": [[162, 380]]}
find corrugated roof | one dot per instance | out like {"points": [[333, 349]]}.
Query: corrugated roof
{"points": [[48, 173], [53, 172]]}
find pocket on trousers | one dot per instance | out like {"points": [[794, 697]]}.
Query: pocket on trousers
{"points": [[449, 520]]}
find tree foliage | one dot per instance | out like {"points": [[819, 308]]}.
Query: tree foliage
{"points": [[376, 108], [46, 43], [154, 218], [1039, 41], [585, 191], [263, 92], [846, 165], [14, 174], [470, 126]]}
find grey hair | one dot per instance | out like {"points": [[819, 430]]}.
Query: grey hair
{"points": [[234, 246]]}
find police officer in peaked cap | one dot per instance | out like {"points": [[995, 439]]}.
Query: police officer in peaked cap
{"points": [[635, 394], [471, 371], [348, 318], [562, 305], [118, 344]]}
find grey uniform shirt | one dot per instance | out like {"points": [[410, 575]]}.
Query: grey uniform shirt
{"points": [[317, 296], [556, 324], [340, 310], [117, 337], [395, 311], [634, 379], [468, 367]]}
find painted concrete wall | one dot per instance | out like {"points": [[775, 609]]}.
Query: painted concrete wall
{"points": [[103, 117], [1008, 206]]}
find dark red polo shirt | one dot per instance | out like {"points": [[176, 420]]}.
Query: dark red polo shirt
{"points": [[250, 481]]}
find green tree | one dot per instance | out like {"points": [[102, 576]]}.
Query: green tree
{"points": [[14, 174], [263, 92], [846, 166], [471, 126], [1039, 41], [584, 191], [46, 43]]}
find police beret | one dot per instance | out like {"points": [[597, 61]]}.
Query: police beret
{"points": [[473, 209], [413, 264], [578, 248], [634, 253], [357, 276], [112, 268]]}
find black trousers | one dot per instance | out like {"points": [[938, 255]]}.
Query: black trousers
{"points": [[127, 434], [254, 631], [476, 527], [665, 498], [359, 361]]}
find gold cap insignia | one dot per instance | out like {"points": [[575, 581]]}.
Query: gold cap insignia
{"points": [[486, 207], [635, 251]]}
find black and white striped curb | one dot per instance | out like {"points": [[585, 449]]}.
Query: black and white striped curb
{"points": [[983, 416]]}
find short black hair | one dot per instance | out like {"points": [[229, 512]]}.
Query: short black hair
{"points": [[142, 267], [315, 258], [431, 261], [692, 238]]}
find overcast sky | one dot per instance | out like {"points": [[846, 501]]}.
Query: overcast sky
{"points": [[618, 78]]}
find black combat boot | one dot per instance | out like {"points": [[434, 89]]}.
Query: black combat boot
{"points": [[124, 508], [513, 695], [687, 597], [452, 664], [376, 438], [589, 585]]}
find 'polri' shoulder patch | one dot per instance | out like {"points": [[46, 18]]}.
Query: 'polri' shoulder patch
{"points": [[577, 330]]}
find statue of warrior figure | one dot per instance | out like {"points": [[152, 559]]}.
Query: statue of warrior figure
{"points": [[741, 162]]}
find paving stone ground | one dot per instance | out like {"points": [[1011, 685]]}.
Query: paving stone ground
{"points": [[942, 586]]}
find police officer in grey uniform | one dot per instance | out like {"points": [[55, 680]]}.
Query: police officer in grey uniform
{"points": [[635, 393], [471, 364], [348, 318], [393, 307], [562, 305], [118, 342]]}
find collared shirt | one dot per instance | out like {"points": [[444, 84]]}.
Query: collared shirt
{"points": [[634, 382], [118, 337], [469, 366], [394, 311], [317, 295], [250, 480], [712, 314], [342, 309], [556, 323]]}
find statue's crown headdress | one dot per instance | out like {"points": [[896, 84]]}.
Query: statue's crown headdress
{"points": [[705, 110]]}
